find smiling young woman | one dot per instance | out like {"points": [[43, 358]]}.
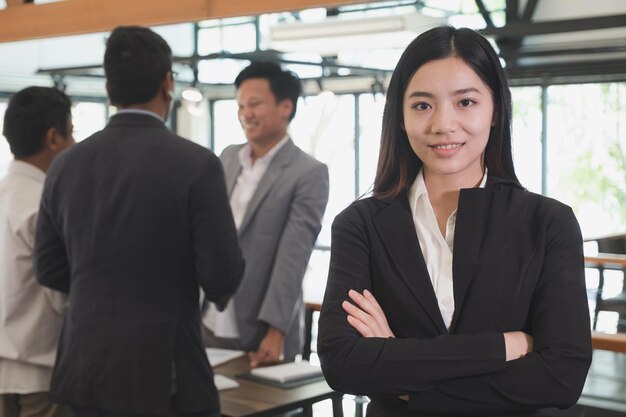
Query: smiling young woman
{"points": [[453, 290]]}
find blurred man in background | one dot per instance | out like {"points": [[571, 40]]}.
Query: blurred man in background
{"points": [[37, 126], [133, 221]]}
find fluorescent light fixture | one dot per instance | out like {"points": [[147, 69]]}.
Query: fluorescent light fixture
{"points": [[334, 34], [333, 27]]}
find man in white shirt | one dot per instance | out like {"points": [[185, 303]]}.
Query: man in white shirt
{"points": [[38, 126], [278, 195]]}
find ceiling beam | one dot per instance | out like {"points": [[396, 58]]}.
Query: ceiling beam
{"points": [[512, 11], [73, 17], [485, 13], [524, 28], [529, 10], [616, 67]]}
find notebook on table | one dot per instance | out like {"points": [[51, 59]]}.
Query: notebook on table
{"points": [[286, 375]]}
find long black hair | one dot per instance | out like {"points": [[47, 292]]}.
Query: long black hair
{"points": [[397, 163]]}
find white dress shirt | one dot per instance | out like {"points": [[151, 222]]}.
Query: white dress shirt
{"points": [[31, 316], [224, 323], [436, 249]]}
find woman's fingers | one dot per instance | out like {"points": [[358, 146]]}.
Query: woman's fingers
{"points": [[368, 303], [360, 327], [357, 313], [367, 317], [381, 317]]}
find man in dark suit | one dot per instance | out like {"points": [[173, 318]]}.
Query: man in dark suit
{"points": [[132, 222]]}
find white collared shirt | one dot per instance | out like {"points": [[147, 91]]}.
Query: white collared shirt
{"points": [[436, 249], [31, 315], [223, 323]]}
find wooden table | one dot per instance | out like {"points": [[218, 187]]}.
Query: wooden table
{"points": [[606, 341], [605, 259], [252, 399]]}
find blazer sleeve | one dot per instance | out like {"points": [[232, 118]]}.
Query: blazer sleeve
{"points": [[393, 366], [278, 308], [553, 374], [218, 259], [51, 261]]}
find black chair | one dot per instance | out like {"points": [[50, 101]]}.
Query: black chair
{"points": [[611, 245]]}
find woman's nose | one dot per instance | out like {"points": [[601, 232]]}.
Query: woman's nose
{"points": [[444, 121]]}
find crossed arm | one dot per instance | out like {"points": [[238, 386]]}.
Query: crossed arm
{"points": [[369, 319]]}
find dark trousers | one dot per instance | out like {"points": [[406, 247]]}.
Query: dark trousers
{"points": [[37, 404]]}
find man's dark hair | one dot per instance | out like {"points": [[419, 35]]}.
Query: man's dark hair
{"points": [[136, 61], [30, 114], [283, 84]]}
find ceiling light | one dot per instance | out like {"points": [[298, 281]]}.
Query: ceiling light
{"points": [[192, 94]]}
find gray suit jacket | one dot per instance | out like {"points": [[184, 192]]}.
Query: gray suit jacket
{"points": [[277, 235]]}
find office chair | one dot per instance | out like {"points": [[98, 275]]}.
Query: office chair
{"points": [[613, 245]]}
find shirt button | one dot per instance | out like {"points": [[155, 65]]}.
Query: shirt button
{"points": [[446, 302]]}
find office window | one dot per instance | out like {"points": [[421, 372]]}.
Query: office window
{"points": [[587, 154], [370, 125], [225, 125], [230, 37], [324, 128], [88, 118], [527, 136]]}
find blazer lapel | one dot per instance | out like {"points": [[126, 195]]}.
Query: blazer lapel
{"points": [[232, 168], [274, 170], [396, 229], [476, 222]]}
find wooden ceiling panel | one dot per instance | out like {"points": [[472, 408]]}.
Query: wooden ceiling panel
{"points": [[73, 17]]}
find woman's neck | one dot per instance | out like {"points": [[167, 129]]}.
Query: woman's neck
{"points": [[443, 194]]}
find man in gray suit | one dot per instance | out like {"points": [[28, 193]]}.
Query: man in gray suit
{"points": [[278, 195]]}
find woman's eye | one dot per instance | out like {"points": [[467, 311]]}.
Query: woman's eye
{"points": [[421, 106], [466, 102]]}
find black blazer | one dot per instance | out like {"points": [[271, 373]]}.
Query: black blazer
{"points": [[517, 265], [132, 221]]}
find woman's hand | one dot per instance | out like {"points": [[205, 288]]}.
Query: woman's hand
{"points": [[366, 316], [517, 345]]}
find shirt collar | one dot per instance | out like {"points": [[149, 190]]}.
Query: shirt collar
{"points": [[26, 169], [418, 188], [140, 111], [245, 153]]}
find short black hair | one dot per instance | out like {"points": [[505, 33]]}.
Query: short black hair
{"points": [[136, 61], [283, 84], [30, 114]]}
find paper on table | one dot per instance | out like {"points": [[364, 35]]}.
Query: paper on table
{"points": [[222, 382], [218, 356], [287, 371]]}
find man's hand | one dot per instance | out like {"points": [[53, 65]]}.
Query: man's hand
{"points": [[270, 350]]}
